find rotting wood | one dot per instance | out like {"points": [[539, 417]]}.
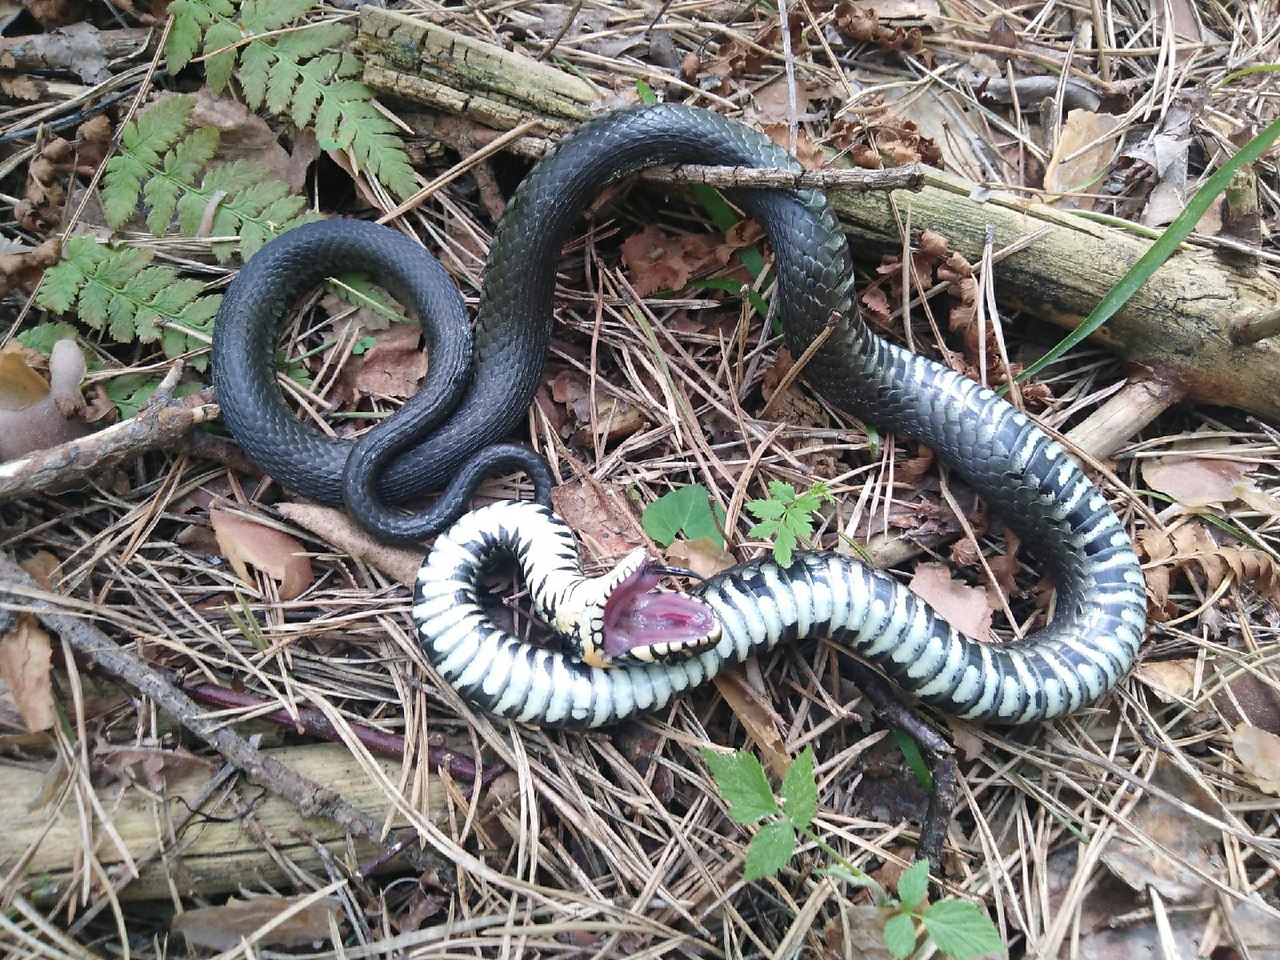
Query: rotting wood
{"points": [[213, 852], [428, 64], [1179, 325]]}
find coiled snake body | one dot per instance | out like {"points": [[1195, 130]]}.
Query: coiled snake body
{"points": [[1027, 478]]}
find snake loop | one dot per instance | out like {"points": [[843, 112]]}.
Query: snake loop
{"points": [[1027, 478]]}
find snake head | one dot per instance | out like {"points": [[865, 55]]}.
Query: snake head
{"points": [[621, 619]]}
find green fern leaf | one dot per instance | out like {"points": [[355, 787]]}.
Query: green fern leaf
{"points": [[255, 72], [220, 45], [376, 146], [142, 142], [181, 165], [157, 128], [62, 282], [189, 19], [118, 290], [295, 73], [263, 16]]}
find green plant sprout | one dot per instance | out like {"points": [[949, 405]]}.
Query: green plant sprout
{"points": [[956, 927], [786, 517]]}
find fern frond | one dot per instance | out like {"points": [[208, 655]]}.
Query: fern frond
{"points": [[190, 18], [117, 290], [241, 198], [263, 16], [294, 73]]}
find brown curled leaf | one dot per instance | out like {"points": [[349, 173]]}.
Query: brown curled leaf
{"points": [[246, 542]]}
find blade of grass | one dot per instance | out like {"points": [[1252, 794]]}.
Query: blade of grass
{"points": [[1161, 250]]}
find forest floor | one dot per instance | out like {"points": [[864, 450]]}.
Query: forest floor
{"points": [[217, 730]]}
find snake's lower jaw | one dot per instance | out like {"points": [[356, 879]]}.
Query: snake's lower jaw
{"points": [[669, 651]]}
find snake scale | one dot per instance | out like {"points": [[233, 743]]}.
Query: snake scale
{"points": [[1041, 493]]}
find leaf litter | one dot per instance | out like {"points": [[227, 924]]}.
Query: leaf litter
{"points": [[1076, 837]]}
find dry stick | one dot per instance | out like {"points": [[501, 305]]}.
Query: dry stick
{"points": [[160, 423], [314, 722], [908, 177], [310, 798]]}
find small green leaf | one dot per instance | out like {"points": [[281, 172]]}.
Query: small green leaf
{"points": [[645, 92], [43, 336], [741, 781], [799, 791], [766, 509], [769, 850], [913, 884], [129, 392], [684, 510], [915, 759], [961, 929], [783, 545], [184, 35], [900, 935], [362, 345]]}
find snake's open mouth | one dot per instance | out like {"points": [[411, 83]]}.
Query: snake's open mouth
{"points": [[641, 624]]}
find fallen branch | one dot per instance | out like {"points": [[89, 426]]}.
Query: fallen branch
{"points": [[160, 423], [309, 798]]}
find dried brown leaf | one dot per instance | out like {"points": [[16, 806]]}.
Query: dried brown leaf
{"points": [[756, 713], [1259, 753], [151, 766], [395, 365], [1195, 481], [1085, 151], [247, 543], [223, 927], [962, 606], [26, 664], [703, 556], [1193, 846], [1190, 549], [1169, 680]]}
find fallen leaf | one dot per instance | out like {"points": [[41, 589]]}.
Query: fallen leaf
{"points": [[243, 135], [1170, 680], [1257, 924], [1085, 152], [607, 528], [152, 766], [395, 364], [615, 418], [655, 261], [337, 528], [1192, 848], [962, 606], [1259, 752], [245, 543], [1196, 481], [857, 932], [703, 556], [26, 663], [756, 713], [1191, 549], [224, 927]]}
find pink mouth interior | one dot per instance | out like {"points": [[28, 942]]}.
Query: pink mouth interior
{"points": [[634, 617]]}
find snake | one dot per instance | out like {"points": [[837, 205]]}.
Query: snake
{"points": [[1026, 477]]}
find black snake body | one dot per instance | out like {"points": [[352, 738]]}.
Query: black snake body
{"points": [[1028, 479]]}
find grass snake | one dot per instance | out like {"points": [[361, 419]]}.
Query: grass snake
{"points": [[1041, 493]]}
